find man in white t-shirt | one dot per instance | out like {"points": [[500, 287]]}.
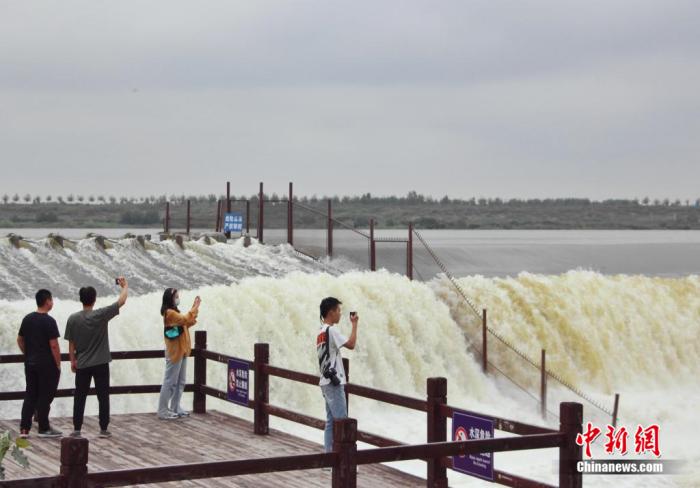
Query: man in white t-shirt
{"points": [[328, 343]]}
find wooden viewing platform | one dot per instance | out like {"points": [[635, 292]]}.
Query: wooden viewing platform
{"points": [[214, 449], [142, 440]]}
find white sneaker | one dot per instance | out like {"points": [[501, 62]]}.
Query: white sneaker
{"points": [[169, 416]]}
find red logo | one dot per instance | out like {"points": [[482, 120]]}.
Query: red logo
{"points": [[645, 440], [588, 437], [617, 441]]}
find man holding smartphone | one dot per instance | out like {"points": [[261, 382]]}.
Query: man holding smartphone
{"points": [[328, 343], [88, 346]]}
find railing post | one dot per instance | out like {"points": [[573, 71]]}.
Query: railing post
{"points": [[615, 409], [329, 240], [200, 372], [167, 217], [228, 203], [262, 389], [261, 214], [437, 429], [543, 385], [189, 217], [484, 343], [372, 247], [346, 366], [571, 420], [409, 252], [345, 444], [74, 459], [290, 216]]}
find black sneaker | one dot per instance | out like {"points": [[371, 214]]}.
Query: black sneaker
{"points": [[75, 433], [51, 433], [105, 433], [24, 433]]}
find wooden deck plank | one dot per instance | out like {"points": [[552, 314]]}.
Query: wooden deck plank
{"points": [[141, 440]]}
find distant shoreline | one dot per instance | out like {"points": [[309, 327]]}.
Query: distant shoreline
{"points": [[388, 213]]}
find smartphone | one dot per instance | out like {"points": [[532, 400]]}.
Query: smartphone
{"points": [[352, 314], [116, 281]]}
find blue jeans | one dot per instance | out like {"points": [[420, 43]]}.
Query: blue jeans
{"points": [[174, 382], [336, 408]]}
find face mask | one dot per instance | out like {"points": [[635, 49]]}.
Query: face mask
{"points": [[177, 302]]}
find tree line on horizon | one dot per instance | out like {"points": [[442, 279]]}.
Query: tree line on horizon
{"points": [[411, 198]]}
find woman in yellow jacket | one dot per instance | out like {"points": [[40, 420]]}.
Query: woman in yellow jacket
{"points": [[176, 331]]}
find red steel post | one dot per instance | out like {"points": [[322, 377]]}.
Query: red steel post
{"points": [[290, 216], [329, 239], [189, 216], [484, 343], [247, 217], [409, 252], [372, 247], [261, 214], [543, 385]]}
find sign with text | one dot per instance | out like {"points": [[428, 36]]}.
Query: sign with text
{"points": [[467, 427], [238, 373], [233, 222]]}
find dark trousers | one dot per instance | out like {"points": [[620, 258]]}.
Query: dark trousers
{"points": [[42, 382], [83, 377]]}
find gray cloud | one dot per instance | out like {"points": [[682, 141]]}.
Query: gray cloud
{"points": [[486, 98]]}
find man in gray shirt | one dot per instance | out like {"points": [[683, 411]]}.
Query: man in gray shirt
{"points": [[88, 346]]}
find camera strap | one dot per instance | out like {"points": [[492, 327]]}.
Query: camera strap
{"points": [[324, 358]]}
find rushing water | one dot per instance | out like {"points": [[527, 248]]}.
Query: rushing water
{"points": [[636, 333]]}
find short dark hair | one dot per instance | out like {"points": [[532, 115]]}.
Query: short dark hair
{"points": [[328, 304], [43, 296], [88, 295]]}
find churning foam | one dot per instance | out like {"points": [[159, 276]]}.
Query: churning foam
{"points": [[630, 334], [604, 332]]}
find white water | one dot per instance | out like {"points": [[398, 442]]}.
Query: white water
{"points": [[629, 334]]}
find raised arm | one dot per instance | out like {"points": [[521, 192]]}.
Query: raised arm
{"points": [[350, 344], [124, 293], [184, 319]]}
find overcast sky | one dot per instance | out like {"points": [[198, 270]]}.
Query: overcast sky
{"points": [[467, 98]]}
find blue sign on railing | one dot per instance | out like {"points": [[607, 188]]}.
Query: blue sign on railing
{"points": [[238, 382], [467, 427], [233, 222]]}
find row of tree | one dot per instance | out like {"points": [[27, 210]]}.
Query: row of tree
{"points": [[411, 198]]}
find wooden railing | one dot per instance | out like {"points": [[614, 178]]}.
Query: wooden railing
{"points": [[345, 458]]}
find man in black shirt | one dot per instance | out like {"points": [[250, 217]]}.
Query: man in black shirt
{"points": [[38, 341]]}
